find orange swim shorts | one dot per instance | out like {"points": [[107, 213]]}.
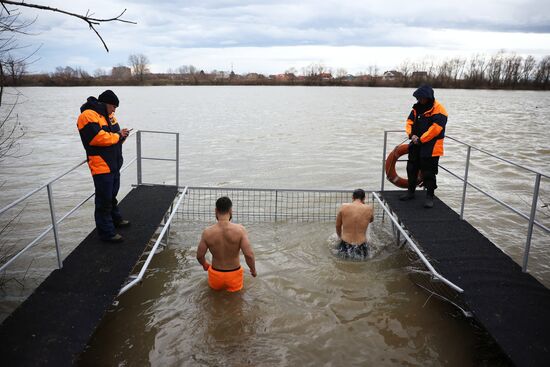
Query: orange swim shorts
{"points": [[230, 280]]}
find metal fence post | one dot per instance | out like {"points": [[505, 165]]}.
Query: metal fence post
{"points": [[54, 226], [531, 222], [465, 182], [138, 156], [177, 159], [276, 200], [384, 161]]}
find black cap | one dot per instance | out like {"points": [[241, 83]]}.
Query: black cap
{"points": [[425, 91], [108, 97]]}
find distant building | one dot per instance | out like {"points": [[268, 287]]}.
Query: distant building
{"points": [[121, 72], [392, 75], [252, 77], [325, 76], [420, 75]]}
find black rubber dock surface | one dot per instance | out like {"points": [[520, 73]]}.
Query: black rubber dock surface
{"points": [[53, 326], [511, 305]]}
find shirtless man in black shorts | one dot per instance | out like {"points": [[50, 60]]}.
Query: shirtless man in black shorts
{"points": [[352, 222]]}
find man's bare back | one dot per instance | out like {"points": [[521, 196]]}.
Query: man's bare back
{"points": [[225, 240], [352, 222]]}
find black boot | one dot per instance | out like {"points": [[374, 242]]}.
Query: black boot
{"points": [[409, 195], [429, 203]]}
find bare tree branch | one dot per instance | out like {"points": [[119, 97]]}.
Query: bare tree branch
{"points": [[87, 17]]}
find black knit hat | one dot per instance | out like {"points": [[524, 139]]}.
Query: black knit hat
{"points": [[108, 97]]}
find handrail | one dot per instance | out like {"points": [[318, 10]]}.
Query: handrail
{"points": [[61, 175], [139, 277], [48, 186], [416, 249], [51, 226], [531, 218], [507, 206], [532, 170]]}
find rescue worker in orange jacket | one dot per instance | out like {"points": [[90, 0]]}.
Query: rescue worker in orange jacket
{"points": [[102, 139], [426, 129]]}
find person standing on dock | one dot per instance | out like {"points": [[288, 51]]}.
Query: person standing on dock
{"points": [[426, 129], [102, 139], [225, 241], [352, 222]]}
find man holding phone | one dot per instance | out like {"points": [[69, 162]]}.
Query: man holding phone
{"points": [[102, 139]]}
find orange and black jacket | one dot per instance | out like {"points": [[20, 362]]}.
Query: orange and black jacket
{"points": [[429, 126], [100, 135]]}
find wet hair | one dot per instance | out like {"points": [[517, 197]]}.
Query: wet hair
{"points": [[223, 205], [358, 194]]}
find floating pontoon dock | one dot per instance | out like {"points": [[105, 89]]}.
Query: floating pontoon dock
{"points": [[53, 326], [465, 268], [510, 304]]}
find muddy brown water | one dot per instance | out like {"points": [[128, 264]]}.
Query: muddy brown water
{"points": [[306, 307]]}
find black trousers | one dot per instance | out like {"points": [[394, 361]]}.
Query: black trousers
{"points": [[106, 204], [428, 166]]}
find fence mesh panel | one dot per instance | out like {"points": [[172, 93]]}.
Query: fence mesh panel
{"points": [[266, 205]]}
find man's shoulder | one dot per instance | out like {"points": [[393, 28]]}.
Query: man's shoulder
{"points": [[237, 227], [89, 114]]}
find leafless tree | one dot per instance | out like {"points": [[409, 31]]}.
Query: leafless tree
{"points": [[140, 65], [405, 68], [542, 76], [475, 70], [373, 70], [99, 73], [529, 65]]}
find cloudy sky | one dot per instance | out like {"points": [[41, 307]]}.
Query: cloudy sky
{"points": [[273, 36]]}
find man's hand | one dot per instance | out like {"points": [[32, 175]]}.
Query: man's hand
{"points": [[206, 266], [415, 139], [124, 133], [253, 273]]}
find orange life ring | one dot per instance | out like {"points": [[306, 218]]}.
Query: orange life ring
{"points": [[391, 173]]}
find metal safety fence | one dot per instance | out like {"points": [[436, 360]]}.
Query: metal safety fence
{"points": [[267, 205]]}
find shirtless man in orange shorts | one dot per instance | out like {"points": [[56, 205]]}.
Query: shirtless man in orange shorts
{"points": [[352, 222], [225, 240]]}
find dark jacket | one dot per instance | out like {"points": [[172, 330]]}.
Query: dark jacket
{"points": [[100, 135], [428, 123]]}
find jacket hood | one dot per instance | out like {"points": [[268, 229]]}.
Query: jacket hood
{"points": [[93, 104], [425, 91]]}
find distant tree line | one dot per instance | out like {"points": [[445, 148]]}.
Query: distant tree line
{"points": [[501, 70]]}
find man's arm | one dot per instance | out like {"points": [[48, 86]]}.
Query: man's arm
{"points": [[339, 223], [201, 253], [246, 248], [92, 134], [410, 123]]}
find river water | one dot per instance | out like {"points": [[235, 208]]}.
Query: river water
{"points": [[306, 307]]}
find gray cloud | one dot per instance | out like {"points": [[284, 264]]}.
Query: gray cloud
{"points": [[222, 24]]}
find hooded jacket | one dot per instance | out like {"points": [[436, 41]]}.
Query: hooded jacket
{"points": [[100, 135], [428, 123]]}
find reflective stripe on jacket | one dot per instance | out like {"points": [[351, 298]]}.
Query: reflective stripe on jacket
{"points": [[430, 128], [100, 135]]}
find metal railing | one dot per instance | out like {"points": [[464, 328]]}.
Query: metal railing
{"points": [[531, 218], [49, 188], [415, 248], [267, 205], [141, 158], [137, 279]]}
